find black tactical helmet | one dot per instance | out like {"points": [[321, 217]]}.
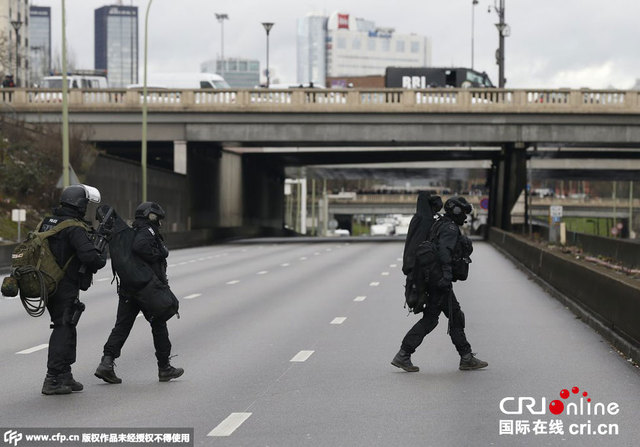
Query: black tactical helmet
{"points": [[457, 205], [78, 196], [145, 209]]}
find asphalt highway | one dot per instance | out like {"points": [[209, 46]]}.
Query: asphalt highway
{"points": [[289, 344]]}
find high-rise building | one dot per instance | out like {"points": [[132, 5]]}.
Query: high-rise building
{"points": [[39, 43], [14, 22], [239, 73], [311, 43], [354, 47], [116, 44]]}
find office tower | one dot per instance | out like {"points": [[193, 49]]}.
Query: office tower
{"points": [[116, 44], [39, 43]]}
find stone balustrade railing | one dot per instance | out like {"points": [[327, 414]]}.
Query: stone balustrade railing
{"points": [[331, 100]]}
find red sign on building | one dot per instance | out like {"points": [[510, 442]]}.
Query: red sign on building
{"points": [[343, 21]]}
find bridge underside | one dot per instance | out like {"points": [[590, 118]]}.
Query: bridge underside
{"points": [[507, 140]]}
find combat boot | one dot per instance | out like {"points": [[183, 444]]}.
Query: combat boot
{"points": [[403, 360], [53, 385], [68, 380], [469, 362], [105, 370], [168, 372]]}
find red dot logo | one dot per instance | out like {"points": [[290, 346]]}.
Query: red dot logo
{"points": [[564, 394], [556, 407], [585, 394], [575, 390]]}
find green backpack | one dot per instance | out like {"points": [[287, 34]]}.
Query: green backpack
{"points": [[35, 268]]}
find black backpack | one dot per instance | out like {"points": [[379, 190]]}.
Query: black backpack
{"points": [[425, 268], [136, 279]]}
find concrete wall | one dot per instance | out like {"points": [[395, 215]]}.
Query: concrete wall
{"points": [[119, 183], [625, 251], [230, 172], [606, 301]]}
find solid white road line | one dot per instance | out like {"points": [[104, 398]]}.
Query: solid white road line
{"points": [[235, 281], [301, 356], [374, 284], [338, 320], [34, 349], [360, 298], [230, 424], [192, 296], [262, 272]]}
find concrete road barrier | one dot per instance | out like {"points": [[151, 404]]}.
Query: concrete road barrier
{"points": [[608, 302]]}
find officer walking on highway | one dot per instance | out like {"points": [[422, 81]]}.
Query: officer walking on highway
{"points": [[453, 250], [74, 246], [148, 245]]}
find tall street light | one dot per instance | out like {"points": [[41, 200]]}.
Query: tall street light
{"points": [[267, 27], [473, 19], [143, 155], [503, 31], [221, 18], [65, 103], [16, 26]]}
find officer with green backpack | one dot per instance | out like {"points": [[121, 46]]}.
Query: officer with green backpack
{"points": [[74, 251]]}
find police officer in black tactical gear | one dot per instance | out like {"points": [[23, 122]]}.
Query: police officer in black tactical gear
{"points": [[73, 245], [148, 245], [453, 250]]}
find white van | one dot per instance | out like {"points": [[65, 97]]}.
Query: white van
{"points": [[75, 81], [183, 81]]}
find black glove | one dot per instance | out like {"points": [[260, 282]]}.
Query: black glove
{"points": [[444, 284], [164, 251]]}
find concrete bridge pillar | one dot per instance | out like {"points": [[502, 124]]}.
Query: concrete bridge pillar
{"points": [[263, 192], [508, 179]]}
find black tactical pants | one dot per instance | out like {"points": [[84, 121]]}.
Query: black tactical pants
{"points": [[63, 340], [445, 302], [128, 310]]}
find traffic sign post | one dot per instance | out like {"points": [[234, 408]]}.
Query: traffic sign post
{"points": [[556, 227], [19, 215]]}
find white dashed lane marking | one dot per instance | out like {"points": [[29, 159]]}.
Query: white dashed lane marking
{"points": [[262, 272], [360, 298], [302, 356], [230, 424], [304, 258], [140, 315], [102, 279], [192, 296], [384, 273], [374, 284], [34, 349], [393, 265], [338, 320], [286, 264], [235, 281]]}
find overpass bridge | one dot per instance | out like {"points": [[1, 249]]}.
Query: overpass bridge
{"points": [[217, 135]]}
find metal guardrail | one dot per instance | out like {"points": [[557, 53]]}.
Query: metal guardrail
{"points": [[333, 100]]}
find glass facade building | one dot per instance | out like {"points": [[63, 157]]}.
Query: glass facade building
{"points": [[311, 47], [341, 45], [116, 44], [239, 73], [39, 43]]}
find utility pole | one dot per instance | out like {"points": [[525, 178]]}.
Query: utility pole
{"points": [[16, 26], [65, 103], [267, 27], [221, 18], [503, 31], [473, 19]]}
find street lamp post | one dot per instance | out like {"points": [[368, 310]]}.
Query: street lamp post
{"points": [[65, 103], [473, 19], [16, 26], [503, 31], [267, 27], [143, 155], [221, 18]]}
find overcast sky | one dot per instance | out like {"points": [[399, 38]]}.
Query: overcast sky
{"points": [[553, 43]]}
